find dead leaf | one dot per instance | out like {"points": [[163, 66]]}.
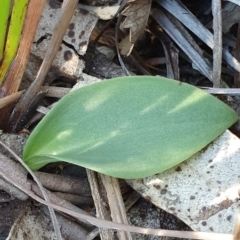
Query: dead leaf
{"points": [[125, 46], [137, 14]]}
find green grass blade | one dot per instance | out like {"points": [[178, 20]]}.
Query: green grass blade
{"points": [[129, 127], [14, 34], [4, 14]]}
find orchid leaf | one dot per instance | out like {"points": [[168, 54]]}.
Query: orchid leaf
{"points": [[129, 127]]}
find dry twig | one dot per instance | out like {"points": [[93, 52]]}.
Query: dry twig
{"points": [[116, 204], [217, 37], [100, 204], [60, 183], [237, 56]]}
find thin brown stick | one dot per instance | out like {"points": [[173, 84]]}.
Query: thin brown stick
{"points": [[10, 99], [56, 92], [58, 183]]}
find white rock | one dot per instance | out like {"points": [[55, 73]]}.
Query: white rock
{"points": [[67, 62], [79, 30], [202, 191]]}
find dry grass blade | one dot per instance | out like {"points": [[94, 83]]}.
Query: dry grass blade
{"points": [[183, 39], [179, 11], [52, 214], [68, 9], [233, 62], [117, 48], [193, 24], [230, 16], [223, 91], [171, 62], [237, 55], [217, 37]]}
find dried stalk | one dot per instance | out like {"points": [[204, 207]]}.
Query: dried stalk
{"points": [[75, 199], [217, 37], [116, 204], [58, 183], [237, 56], [176, 8], [100, 204], [10, 99], [222, 91], [56, 92], [184, 40]]}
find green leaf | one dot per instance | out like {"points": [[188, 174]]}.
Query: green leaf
{"points": [[4, 14], [13, 37], [129, 127]]}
